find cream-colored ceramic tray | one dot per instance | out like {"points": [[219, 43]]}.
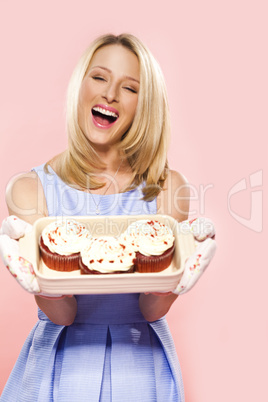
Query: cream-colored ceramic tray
{"points": [[54, 282]]}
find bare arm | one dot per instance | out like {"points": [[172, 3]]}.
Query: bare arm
{"points": [[60, 311], [173, 201], [25, 199]]}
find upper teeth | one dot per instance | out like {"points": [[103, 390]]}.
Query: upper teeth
{"points": [[104, 111]]}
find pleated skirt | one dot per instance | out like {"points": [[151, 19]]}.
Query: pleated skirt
{"points": [[110, 353]]}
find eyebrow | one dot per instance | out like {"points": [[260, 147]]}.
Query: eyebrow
{"points": [[110, 71]]}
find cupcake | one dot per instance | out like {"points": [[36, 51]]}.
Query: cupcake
{"points": [[60, 244], [106, 255], [153, 243]]}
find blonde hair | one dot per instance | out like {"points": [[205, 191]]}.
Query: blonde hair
{"points": [[146, 141]]}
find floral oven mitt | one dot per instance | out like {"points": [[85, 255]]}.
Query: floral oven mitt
{"points": [[204, 232], [22, 270]]}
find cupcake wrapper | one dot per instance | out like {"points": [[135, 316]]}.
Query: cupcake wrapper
{"points": [[64, 263], [153, 263]]}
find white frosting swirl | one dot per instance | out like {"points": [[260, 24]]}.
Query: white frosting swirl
{"points": [[66, 237], [148, 237], [107, 254]]}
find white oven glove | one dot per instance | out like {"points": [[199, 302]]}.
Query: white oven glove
{"points": [[204, 233], [11, 231]]}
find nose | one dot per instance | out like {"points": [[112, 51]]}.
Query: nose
{"points": [[111, 93]]}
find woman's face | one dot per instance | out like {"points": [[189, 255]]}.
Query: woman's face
{"points": [[109, 95]]}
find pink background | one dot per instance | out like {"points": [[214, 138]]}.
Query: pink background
{"points": [[214, 57]]}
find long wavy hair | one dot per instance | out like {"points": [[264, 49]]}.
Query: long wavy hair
{"points": [[146, 141]]}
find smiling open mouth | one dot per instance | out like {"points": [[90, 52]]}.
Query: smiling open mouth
{"points": [[103, 117]]}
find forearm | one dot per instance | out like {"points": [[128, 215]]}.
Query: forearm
{"points": [[154, 306], [60, 311]]}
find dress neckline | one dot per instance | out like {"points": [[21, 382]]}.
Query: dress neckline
{"points": [[89, 193]]}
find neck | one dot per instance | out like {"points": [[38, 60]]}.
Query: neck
{"points": [[112, 161]]}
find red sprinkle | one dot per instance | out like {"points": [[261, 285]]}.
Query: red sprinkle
{"points": [[51, 239]]}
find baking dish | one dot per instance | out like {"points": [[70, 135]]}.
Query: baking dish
{"points": [[54, 282]]}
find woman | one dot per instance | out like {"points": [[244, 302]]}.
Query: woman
{"points": [[104, 347]]}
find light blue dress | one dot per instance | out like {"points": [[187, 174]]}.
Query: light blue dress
{"points": [[110, 352]]}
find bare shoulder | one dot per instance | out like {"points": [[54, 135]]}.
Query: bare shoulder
{"points": [[175, 196], [25, 197], [177, 179]]}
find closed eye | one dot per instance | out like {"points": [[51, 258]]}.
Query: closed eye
{"points": [[97, 78], [131, 90]]}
